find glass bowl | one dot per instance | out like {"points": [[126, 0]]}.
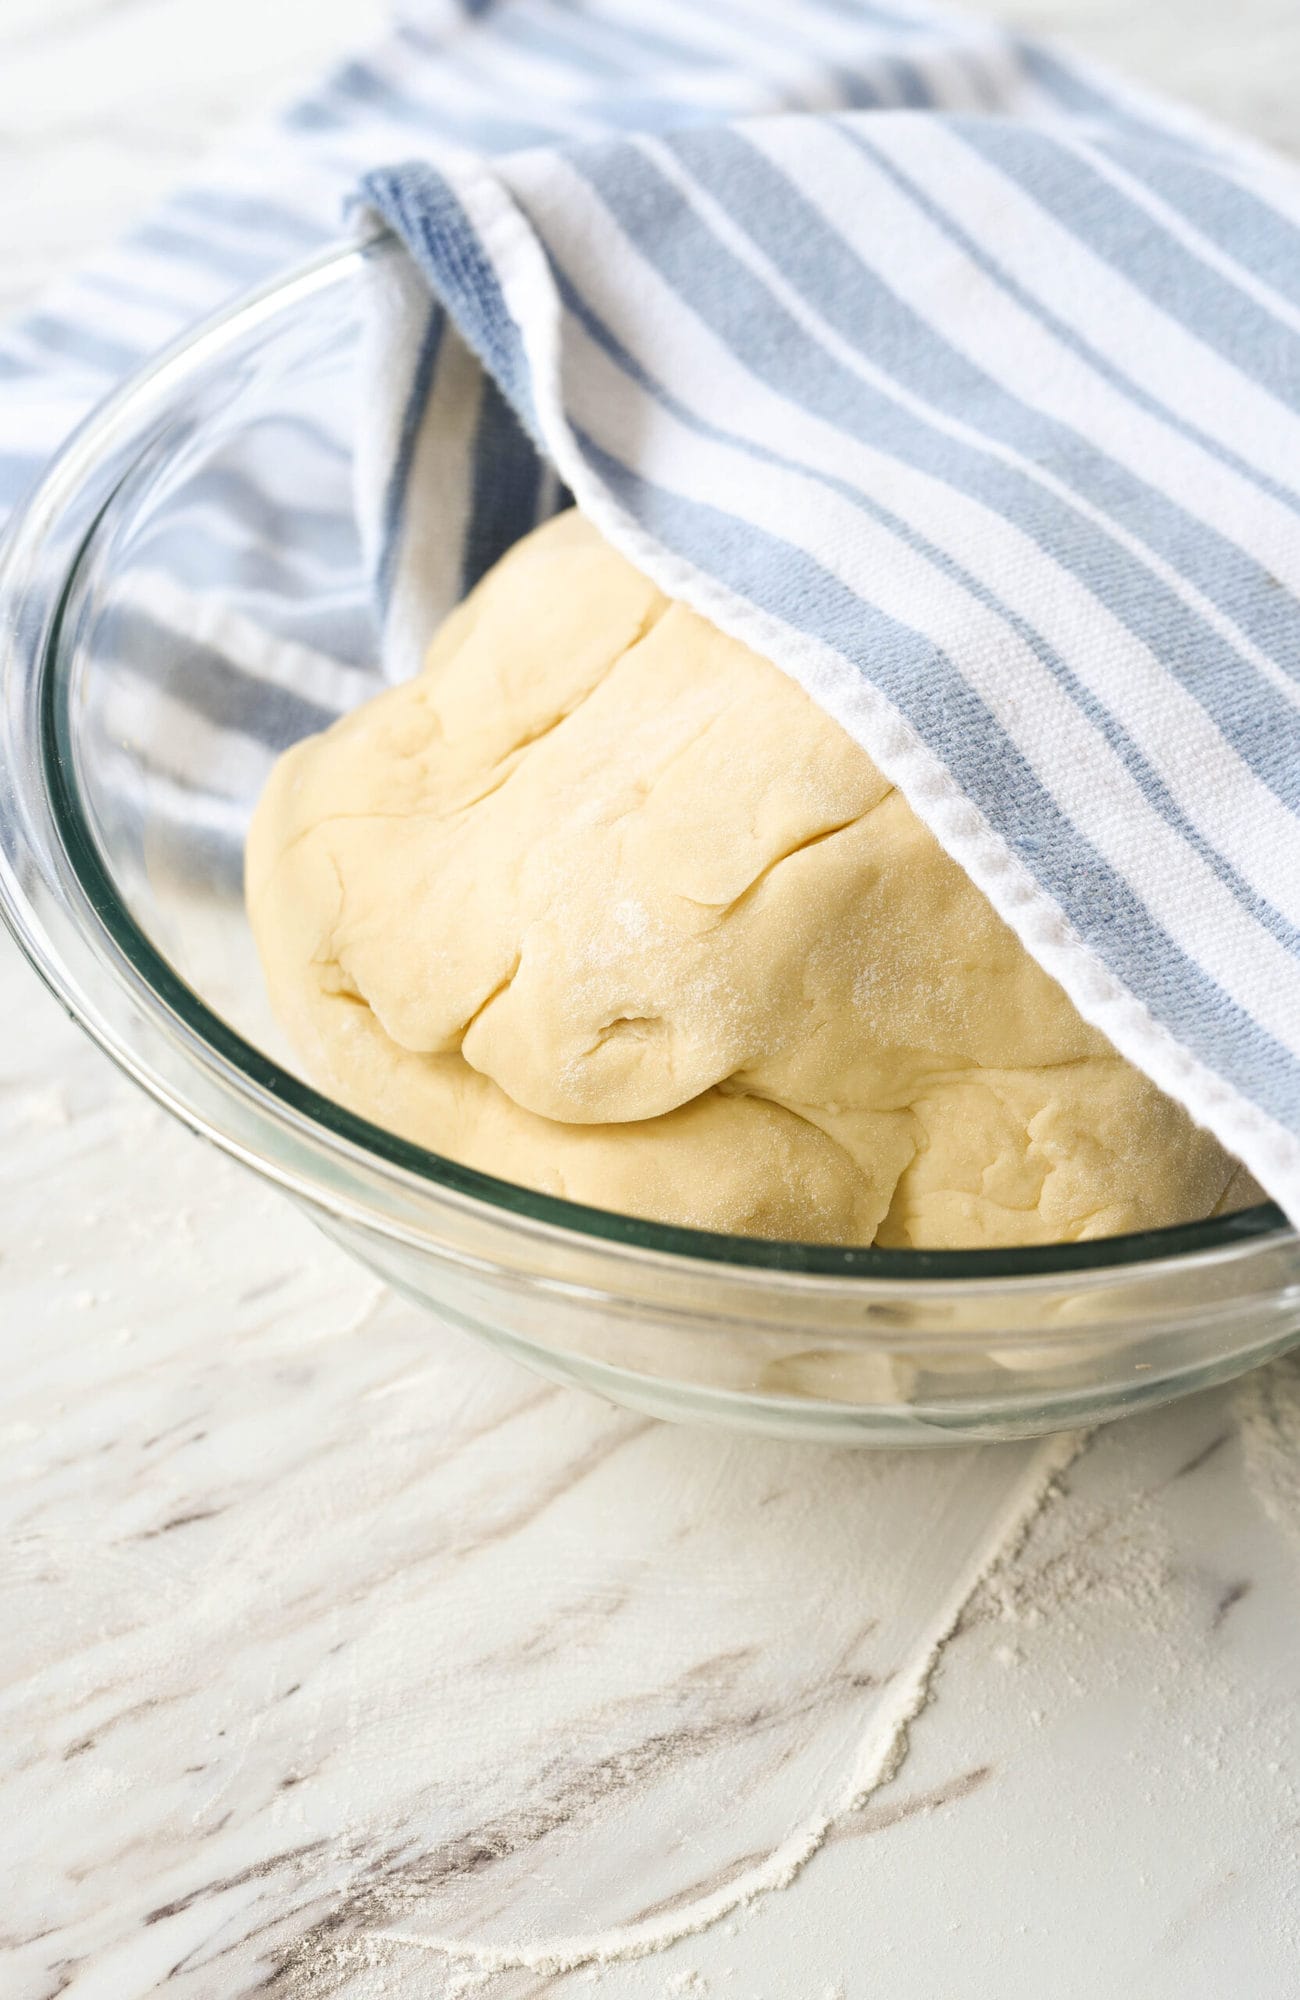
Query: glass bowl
{"points": [[183, 597]]}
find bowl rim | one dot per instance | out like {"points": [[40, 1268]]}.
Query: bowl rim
{"points": [[283, 1102]]}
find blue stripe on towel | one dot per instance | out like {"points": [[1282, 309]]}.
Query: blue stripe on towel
{"points": [[931, 692], [1130, 754], [746, 317], [1170, 274], [1236, 219], [417, 202], [506, 483]]}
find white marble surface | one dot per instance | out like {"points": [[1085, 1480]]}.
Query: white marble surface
{"points": [[325, 1634]]}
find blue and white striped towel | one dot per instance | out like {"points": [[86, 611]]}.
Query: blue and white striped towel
{"points": [[959, 381]]}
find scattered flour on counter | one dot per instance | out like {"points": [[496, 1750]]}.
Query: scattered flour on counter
{"points": [[1106, 1550], [465, 1983], [880, 1757]]}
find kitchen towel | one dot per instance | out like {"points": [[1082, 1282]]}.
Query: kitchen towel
{"points": [[978, 414], [958, 379]]}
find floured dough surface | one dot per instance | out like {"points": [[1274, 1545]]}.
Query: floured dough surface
{"points": [[604, 904]]}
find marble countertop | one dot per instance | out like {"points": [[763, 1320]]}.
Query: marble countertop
{"points": [[339, 1658]]}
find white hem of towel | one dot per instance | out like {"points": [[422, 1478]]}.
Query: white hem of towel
{"points": [[1270, 1152]]}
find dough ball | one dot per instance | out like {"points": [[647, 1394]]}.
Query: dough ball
{"points": [[604, 904]]}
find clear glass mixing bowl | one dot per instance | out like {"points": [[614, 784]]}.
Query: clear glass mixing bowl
{"points": [[184, 596]]}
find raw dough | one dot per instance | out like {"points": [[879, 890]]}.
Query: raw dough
{"points": [[604, 904]]}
